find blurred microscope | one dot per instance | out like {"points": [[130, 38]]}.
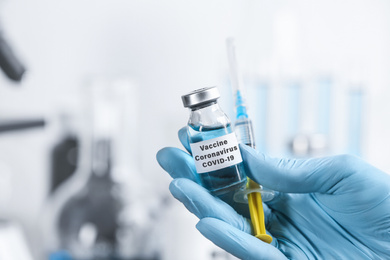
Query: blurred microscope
{"points": [[14, 70], [98, 208]]}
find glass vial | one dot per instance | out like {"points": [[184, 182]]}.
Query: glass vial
{"points": [[213, 144]]}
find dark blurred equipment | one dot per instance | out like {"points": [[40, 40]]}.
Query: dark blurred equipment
{"points": [[14, 70], [64, 161], [64, 156], [89, 219], [9, 63], [22, 124], [94, 215]]}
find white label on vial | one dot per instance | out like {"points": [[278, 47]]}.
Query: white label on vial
{"points": [[216, 153]]}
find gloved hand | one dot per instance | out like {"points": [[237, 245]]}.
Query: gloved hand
{"points": [[327, 208]]}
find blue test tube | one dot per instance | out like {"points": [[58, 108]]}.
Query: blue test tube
{"points": [[355, 122], [324, 96], [260, 124], [293, 112]]}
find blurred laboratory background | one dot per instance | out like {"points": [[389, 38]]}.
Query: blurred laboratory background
{"points": [[91, 90]]}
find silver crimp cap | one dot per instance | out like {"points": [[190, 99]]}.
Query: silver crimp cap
{"points": [[200, 96]]}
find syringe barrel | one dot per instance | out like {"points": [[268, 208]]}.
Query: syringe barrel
{"points": [[244, 132]]}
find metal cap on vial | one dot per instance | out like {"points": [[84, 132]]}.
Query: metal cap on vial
{"points": [[200, 96]]}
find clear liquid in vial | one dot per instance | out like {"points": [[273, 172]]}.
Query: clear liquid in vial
{"points": [[223, 180]]}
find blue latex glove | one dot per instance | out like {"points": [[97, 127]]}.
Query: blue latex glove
{"points": [[60, 255], [327, 208]]}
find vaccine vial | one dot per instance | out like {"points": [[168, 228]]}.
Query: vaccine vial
{"points": [[214, 145]]}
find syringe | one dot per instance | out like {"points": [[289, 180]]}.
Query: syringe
{"points": [[243, 125], [244, 132]]}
